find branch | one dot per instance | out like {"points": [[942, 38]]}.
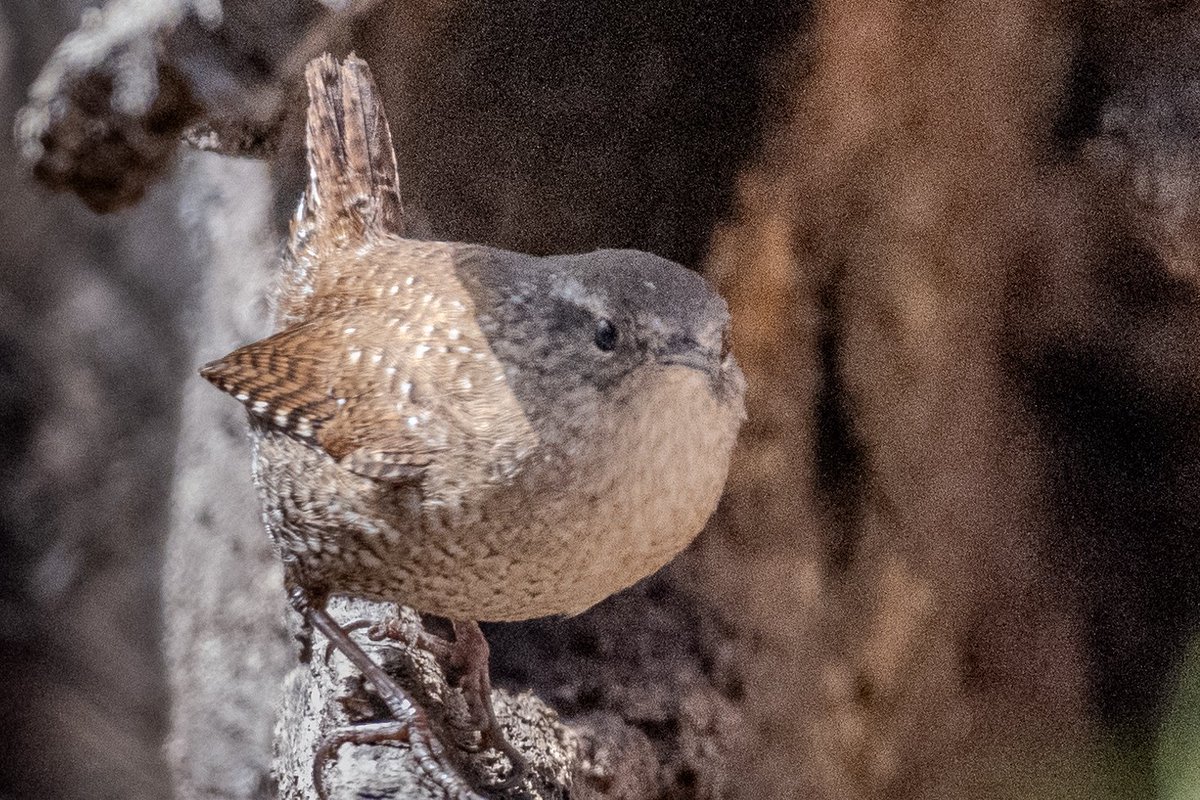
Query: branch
{"points": [[107, 112]]}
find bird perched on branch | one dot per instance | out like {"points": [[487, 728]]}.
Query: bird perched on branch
{"points": [[476, 433]]}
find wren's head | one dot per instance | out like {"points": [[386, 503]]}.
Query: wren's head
{"points": [[619, 360], [587, 335]]}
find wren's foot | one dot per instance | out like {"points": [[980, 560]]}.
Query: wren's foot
{"points": [[410, 722], [415, 731], [468, 659], [465, 661]]}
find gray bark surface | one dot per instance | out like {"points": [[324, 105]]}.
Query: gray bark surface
{"points": [[225, 644]]}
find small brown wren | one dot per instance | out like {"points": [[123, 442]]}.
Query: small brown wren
{"points": [[476, 433]]}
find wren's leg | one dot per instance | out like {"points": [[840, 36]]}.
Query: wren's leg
{"points": [[469, 658], [410, 722]]}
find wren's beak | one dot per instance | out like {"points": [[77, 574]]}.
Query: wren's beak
{"points": [[689, 353]]}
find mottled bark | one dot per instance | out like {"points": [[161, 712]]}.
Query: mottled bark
{"points": [[226, 647]]}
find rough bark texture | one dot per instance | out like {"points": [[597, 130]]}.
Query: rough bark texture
{"points": [[959, 539], [225, 645]]}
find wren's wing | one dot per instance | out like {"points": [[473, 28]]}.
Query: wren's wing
{"points": [[388, 399], [381, 362]]}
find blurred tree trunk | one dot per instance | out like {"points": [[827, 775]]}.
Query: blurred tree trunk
{"points": [[92, 350], [888, 492]]}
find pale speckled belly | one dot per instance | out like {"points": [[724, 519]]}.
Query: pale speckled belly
{"points": [[556, 541]]}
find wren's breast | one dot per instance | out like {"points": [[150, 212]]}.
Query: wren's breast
{"points": [[570, 531], [653, 486]]}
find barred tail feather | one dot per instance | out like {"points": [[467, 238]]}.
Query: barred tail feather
{"points": [[353, 191]]}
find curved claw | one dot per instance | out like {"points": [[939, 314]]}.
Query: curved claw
{"points": [[367, 733], [520, 767], [494, 738], [411, 634], [421, 742], [393, 629]]}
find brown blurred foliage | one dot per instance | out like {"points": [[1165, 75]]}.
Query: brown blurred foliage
{"points": [[959, 544]]}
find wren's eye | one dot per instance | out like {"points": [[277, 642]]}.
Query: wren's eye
{"points": [[607, 335]]}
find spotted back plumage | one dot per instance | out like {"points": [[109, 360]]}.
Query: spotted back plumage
{"points": [[381, 362]]}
